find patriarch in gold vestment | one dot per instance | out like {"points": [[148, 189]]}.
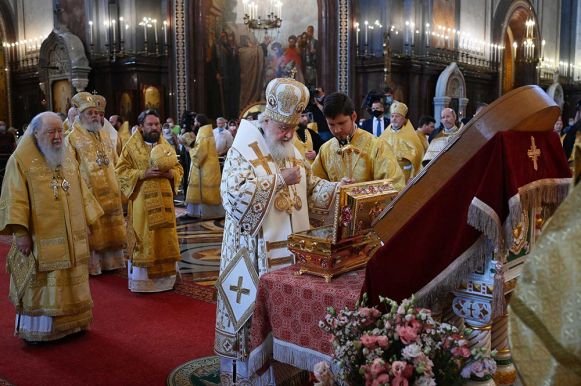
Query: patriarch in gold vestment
{"points": [[46, 205], [203, 194], [97, 156], [268, 192], [354, 153], [404, 141], [149, 188]]}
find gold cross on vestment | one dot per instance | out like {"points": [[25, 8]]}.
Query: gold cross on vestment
{"points": [[239, 290], [534, 153], [261, 160]]}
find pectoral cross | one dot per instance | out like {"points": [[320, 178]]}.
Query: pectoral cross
{"points": [[261, 160], [239, 290], [346, 153], [534, 153], [54, 184]]}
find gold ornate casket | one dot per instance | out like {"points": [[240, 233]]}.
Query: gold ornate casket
{"points": [[349, 242]]}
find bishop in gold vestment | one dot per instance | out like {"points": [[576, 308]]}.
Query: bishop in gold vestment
{"points": [[404, 141], [46, 205], [153, 247], [203, 194], [97, 156]]}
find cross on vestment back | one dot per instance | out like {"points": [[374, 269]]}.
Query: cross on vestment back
{"points": [[261, 160]]}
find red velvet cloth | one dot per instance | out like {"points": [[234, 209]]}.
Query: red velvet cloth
{"points": [[290, 307], [438, 233]]}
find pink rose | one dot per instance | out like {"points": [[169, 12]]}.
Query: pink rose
{"points": [[461, 351], [369, 341], [399, 381], [383, 341], [383, 379], [398, 367], [378, 367], [407, 334]]}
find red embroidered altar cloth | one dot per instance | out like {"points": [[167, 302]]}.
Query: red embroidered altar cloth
{"points": [[288, 308]]}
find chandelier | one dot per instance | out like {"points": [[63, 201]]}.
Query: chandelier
{"points": [[267, 16], [529, 41]]}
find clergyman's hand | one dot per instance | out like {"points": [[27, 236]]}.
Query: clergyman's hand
{"points": [[24, 244], [292, 175], [346, 181], [310, 155], [153, 173]]}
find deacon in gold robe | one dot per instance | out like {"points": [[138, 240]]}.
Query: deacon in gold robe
{"points": [[153, 247], [544, 312], [123, 133], [97, 156], [353, 153], [203, 194], [439, 142], [404, 141], [46, 205], [268, 191]]}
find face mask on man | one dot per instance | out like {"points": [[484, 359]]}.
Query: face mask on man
{"points": [[388, 100], [166, 131], [377, 113]]}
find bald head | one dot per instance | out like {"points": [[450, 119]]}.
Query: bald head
{"points": [[448, 118], [72, 114]]}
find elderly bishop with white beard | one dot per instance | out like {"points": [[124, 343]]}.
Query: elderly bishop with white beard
{"points": [[268, 192], [46, 205]]}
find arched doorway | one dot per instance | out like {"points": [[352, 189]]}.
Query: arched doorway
{"points": [[519, 63], [62, 64], [450, 92]]}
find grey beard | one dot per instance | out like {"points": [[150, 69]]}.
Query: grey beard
{"points": [[53, 157], [93, 126]]}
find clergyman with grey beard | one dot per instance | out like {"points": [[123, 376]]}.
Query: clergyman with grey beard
{"points": [[46, 206], [97, 155]]}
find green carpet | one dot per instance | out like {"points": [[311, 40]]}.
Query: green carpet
{"points": [[206, 372]]}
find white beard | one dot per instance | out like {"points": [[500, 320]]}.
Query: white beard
{"points": [[280, 151], [54, 157]]}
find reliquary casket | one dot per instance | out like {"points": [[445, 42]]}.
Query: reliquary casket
{"points": [[349, 242]]}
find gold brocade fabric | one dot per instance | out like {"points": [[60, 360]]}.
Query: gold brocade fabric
{"points": [[407, 147], [123, 136], [439, 143], [545, 310], [155, 249], [423, 139], [303, 147], [109, 231], [205, 175], [58, 226], [59, 286], [374, 160]]}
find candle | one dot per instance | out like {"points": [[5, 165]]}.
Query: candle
{"points": [[90, 32], [113, 23], [366, 30], [356, 25], [165, 32], [412, 29], [427, 34], [543, 49], [121, 32], [106, 24], [155, 30]]}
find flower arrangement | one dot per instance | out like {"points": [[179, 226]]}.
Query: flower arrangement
{"points": [[404, 346]]}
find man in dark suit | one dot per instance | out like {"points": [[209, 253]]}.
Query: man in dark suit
{"points": [[378, 123]]}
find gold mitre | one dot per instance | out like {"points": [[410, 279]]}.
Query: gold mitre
{"points": [[84, 100], [286, 99], [399, 108], [101, 103]]}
